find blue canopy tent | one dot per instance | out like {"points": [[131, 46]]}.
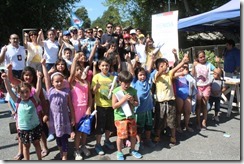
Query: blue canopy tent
{"points": [[226, 17]]}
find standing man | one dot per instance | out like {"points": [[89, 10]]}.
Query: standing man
{"points": [[15, 54], [231, 59]]}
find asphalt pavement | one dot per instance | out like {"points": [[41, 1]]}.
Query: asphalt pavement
{"points": [[220, 141]]}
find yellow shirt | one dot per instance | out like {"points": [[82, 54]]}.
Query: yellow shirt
{"points": [[164, 87], [34, 53], [101, 96]]}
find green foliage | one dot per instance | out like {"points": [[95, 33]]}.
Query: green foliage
{"points": [[16, 15]]}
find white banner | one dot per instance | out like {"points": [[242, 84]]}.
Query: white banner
{"points": [[165, 32]]}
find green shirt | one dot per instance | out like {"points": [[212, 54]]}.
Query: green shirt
{"points": [[119, 113]]}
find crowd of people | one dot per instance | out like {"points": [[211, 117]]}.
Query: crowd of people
{"points": [[54, 81]]}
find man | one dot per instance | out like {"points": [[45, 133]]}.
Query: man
{"points": [[15, 54], [231, 59]]}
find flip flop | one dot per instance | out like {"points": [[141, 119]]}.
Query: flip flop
{"points": [[44, 153], [19, 157]]}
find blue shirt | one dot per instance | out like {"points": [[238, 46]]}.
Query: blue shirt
{"points": [[232, 60], [144, 94]]}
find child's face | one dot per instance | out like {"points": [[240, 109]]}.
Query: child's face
{"points": [[163, 67], [141, 76], [60, 66], [104, 67], [216, 73], [67, 55], [57, 81], [124, 85], [28, 77], [78, 72], [24, 93], [201, 58], [82, 57]]}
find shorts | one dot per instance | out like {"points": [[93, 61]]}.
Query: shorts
{"points": [[27, 136], [165, 110], [203, 91], [104, 120], [144, 121], [126, 128]]}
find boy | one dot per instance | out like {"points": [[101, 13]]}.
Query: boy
{"points": [[165, 99], [101, 83], [125, 124]]}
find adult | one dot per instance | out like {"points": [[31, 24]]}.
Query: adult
{"points": [[51, 47], [109, 36], [34, 50], [14, 53], [231, 59], [74, 38]]}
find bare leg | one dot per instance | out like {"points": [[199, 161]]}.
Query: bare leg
{"points": [[187, 113], [26, 150], [77, 140], [179, 106], [198, 113], [37, 146]]}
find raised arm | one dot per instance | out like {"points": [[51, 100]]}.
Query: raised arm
{"points": [[73, 68], [8, 87], [131, 69], [12, 79], [184, 60], [40, 38], [39, 83], [46, 76], [3, 52], [93, 52], [60, 51]]}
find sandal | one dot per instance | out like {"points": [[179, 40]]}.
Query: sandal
{"points": [[44, 153], [19, 157]]}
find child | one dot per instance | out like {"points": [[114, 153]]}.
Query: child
{"points": [[67, 55], [60, 104], [101, 84], [29, 127], [29, 76], [201, 70], [82, 103], [217, 87], [183, 99], [143, 112], [126, 126], [165, 99]]}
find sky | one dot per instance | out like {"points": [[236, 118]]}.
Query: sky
{"points": [[94, 8]]}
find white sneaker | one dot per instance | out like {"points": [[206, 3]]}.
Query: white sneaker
{"points": [[85, 151], [77, 155]]}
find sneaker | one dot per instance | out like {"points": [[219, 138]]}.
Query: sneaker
{"points": [[99, 149], [172, 142], [77, 155], [50, 138], [85, 151], [216, 118], [108, 144], [149, 143], [120, 156], [135, 154]]}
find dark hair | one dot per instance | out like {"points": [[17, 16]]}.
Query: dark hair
{"points": [[159, 61], [66, 71], [125, 76], [139, 69], [23, 84], [67, 49], [109, 23], [231, 42], [33, 73], [198, 53], [104, 60]]}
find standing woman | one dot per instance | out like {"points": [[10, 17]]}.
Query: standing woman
{"points": [[51, 47], [34, 50]]}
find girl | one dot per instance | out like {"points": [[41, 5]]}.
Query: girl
{"points": [[29, 76], [29, 127], [201, 71], [60, 104], [82, 101], [183, 100]]}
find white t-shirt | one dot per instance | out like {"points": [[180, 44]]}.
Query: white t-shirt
{"points": [[51, 51], [16, 56]]}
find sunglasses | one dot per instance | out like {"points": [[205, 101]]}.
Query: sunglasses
{"points": [[109, 26], [89, 32]]}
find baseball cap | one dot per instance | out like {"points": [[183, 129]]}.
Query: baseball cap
{"points": [[72, 28], [126, 36], [66, 33], [100, 29], [133, 31]]}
